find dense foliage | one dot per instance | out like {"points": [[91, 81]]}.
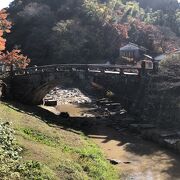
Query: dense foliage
{"points": [[14, 57], [4, 27], [159, 4], [86, 31], [11, 165]]}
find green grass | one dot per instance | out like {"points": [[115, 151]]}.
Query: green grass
{"points": [[33, 170], [11, 165], [72, 170], [63, 154], [90, 158], [40, 137]]}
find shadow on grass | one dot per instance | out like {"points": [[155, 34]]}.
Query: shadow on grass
{"points": [[71, 123]]}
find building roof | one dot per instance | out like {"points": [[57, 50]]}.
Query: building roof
{"points": [[160, 57], [132, 47], [149, 57], [163, 56]]}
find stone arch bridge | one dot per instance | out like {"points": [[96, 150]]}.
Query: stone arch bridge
{"points": [[32, 84]]}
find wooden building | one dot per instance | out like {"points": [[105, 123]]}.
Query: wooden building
{"points": [[131, 53]]}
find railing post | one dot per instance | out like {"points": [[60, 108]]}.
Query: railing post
{"points": [[143, 69], [155, 67], [11, 71], [121, 72]]}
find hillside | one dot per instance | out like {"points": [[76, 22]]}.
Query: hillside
{"points": [[84, 31], [159, 4]]}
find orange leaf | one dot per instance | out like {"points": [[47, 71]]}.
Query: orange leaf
{"points": [[2, 44]]}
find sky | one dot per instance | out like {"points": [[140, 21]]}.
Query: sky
{"points": [[5, 3]]}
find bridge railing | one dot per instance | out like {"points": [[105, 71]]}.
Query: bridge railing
{"points": [[91, 68]]}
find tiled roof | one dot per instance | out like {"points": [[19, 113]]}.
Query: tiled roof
{"points": [[132, 46]]}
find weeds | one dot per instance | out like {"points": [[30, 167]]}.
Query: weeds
{"points": [[40, 137], [11, 166]]}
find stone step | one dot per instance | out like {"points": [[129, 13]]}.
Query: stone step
{"points": [[140, 127], [50, 103]]}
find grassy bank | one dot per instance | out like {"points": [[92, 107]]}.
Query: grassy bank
{"points": [[49, 149]]}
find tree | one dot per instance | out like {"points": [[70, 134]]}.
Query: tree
{"points": [[4, 27], [145, 34], [14, 57], [159, 4], [85, 31]]}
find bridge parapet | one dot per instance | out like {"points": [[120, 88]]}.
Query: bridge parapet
{"points": [[32, 84], [89, 68]]}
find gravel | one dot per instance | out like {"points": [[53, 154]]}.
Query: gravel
{"points": [[67, 96]]}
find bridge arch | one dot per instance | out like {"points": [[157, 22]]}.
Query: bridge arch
{"points": [[32, 84]]}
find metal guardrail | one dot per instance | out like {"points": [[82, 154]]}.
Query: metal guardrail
{"points": [[91, 68]]}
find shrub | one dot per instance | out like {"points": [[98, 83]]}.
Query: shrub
{"points": [[11, 167]]}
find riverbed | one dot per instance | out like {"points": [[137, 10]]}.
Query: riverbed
{"points": [[138, 159]]}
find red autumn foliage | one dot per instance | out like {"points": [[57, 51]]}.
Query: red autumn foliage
{"points": [[14, 57], [151, 31], [4, 27], [2, 43], [155, 33], [122, 29], [149, 34]]}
